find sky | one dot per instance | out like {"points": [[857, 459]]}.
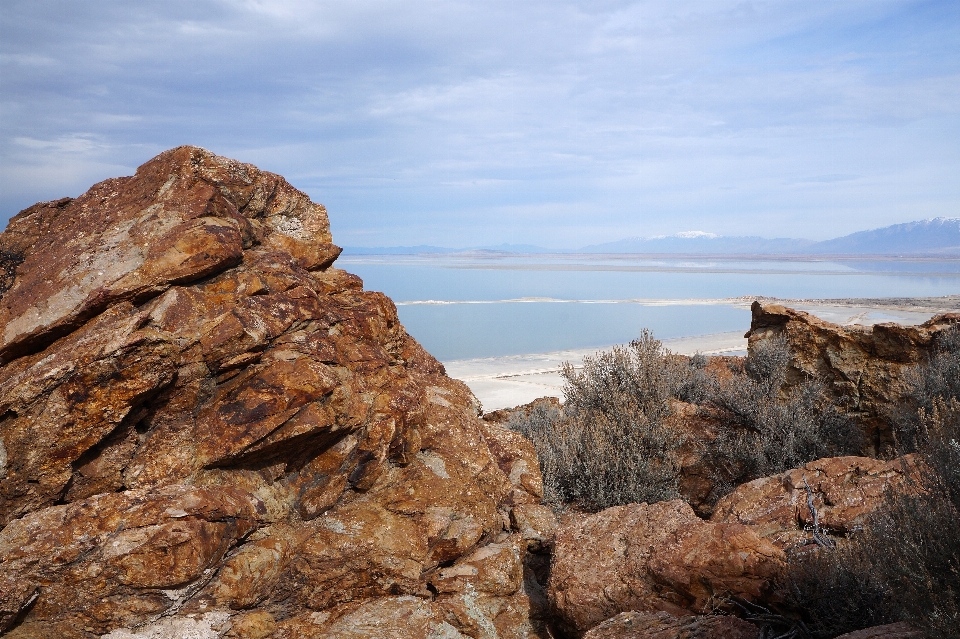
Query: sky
{"points": [[465, 123]]}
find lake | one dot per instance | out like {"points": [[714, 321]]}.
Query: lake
{"points": [[471, 306]]}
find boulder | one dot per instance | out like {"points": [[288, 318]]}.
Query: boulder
{"points": [[862, 366], [844, 490], [662, 625], [205, 427], [654, 557]]}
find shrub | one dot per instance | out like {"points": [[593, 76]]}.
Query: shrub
{"points": [[905, 563], [610, 445], [903, 566], [937, 378], [765, 428]]}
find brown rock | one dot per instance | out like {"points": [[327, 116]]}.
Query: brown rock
{"points": [[889, 631], [662, 625], [119, 558], [861, 365], [696, 429], [384, 617], [257, 624], [207, 428], [494, 568], [502, 416], [651, 558], [845, 491], [536, 524], [517, 458]]}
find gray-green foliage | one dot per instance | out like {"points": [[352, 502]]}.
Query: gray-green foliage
{"points": [[905, 563], [613, 443], [610, 445], [936, 378], [767, 428]]}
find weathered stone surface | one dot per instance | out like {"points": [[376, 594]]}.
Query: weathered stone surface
{"points": [[845, 491], [502, 415], [384, 617], [861, 365], [516, 456], [888, 631], [696, 429], [200, 416], [662, 625], [536, 524], [119, 558], [657, 557]]}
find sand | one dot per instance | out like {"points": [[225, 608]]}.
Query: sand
{"points": [[504, 382]]}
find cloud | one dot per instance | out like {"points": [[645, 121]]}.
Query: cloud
{"points": [[458, 122]]}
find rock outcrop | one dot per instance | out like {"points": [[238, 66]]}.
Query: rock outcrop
{"points": [[862, 366], [843, 490], [656, 557], [208, 430], [662, 625], [889, 631]]}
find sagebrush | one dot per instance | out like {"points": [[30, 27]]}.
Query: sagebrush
{"points": [[766, 427], [610, 445], [613, 442], [904, 565]]}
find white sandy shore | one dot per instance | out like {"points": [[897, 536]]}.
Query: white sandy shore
{"points": [[504, 382]]}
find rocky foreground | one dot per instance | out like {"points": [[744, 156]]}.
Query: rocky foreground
{"points": [[208, 430]]}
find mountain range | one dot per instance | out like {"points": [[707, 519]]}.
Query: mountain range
{"points": [[939, 237]]}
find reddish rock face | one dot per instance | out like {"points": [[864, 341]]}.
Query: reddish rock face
{"points": [[861, 365], [662, 625], [845, 490], [657, 557], [888, 631], [200, 416]]}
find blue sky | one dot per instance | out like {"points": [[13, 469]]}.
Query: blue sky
{"points": [[462, 123]]}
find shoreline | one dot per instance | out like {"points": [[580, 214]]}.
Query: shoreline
{"points": [[512, 380]]}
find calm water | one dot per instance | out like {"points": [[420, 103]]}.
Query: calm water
{"points": [[481, 307]]}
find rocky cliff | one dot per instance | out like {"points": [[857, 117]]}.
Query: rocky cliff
{"points": [[862, 366], [207, 430]]}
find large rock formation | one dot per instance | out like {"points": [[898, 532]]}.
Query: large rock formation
{"points": [[862, 366], [207, 430]]}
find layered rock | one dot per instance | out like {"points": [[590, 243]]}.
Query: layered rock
{"points": [[656, 557], [843, 491], [208, 428], [862, 366]]}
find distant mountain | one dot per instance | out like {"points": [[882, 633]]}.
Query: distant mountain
{"points": [[698, 242], [523, 248], [940, 236], [396, 250], [424, 249], [937, 237]]}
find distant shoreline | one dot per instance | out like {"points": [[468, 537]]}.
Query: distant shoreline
{"points": [[943, 304], [766, 257]]}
